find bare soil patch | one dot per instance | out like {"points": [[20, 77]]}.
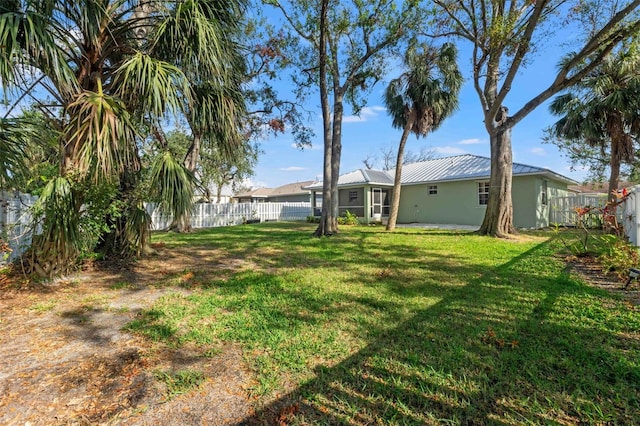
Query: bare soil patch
{"points": [[65, 360], [590, 271]]}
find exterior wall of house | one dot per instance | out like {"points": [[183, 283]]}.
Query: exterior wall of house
{"points": [[526, 195], [533, 211], [454, 203], [458, 202], [295, 198]]}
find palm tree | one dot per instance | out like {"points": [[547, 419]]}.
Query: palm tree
{"points": [[603, 111], [420, 100], [102, 70]]}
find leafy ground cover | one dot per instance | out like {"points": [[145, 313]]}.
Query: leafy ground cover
{"points": [[414, 327]]}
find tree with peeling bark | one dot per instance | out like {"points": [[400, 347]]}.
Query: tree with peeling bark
{"points": [[420, 100], [603, 111], [504, 35], [343, 49]]}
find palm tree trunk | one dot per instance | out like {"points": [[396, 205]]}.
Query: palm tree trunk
{"points": [[395, 196], [614, 175], [619, 151]]}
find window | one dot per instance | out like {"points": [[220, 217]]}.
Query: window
{"points": [[544, 193], [483, 193], [432, 190], [353, 195]]}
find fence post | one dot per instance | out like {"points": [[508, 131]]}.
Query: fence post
{"points": [[631, 218]]}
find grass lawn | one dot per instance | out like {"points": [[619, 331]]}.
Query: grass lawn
{"points": [[411, 327]]}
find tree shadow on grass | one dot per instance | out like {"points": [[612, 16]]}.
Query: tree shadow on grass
{"points": [[496, 351]]}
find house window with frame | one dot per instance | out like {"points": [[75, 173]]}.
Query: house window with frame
{"points": [[432, 190], [483, 193], [353, 196], [545, 196]]}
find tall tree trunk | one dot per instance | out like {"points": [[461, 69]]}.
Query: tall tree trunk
{"points": [[328, 221], [193, 154], [614, 175], [336, 153], [620, 150], [395, 196], [498, 218]]}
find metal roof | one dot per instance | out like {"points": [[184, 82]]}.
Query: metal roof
{"points": [[460, 167], [464, 167], [360, 177]]}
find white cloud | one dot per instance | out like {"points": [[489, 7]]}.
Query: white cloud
{"points": [[292, 169], [538, 151], [365, 114], [449, 150], [472, 141]]}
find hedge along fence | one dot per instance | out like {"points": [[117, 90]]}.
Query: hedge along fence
{"points": [[15, 215]]}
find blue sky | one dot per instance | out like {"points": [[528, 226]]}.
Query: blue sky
{"points": [[463, 133]]}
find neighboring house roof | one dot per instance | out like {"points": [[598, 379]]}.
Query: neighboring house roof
{"points": [[598, 187], [460, 167], [256, 193], [288, 189], [291, 189]]}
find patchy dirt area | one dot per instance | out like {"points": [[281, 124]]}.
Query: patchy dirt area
{"points": [[590, 271], [65, 360]]}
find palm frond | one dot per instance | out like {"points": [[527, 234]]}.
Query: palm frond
{"points": [[172, 185], [197, 34], [27, 39], [137, 229], [14, 135], [99, 135], [151, 84], [429, 87], [57, 240], [217, 115]]}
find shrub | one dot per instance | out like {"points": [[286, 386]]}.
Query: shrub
{"points": [[313, 219], [619, 257], [348, 219]]}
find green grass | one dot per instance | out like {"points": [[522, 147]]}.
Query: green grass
{"points": [[179, 382], [413, 327]]}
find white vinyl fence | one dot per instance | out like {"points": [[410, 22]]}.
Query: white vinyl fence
{"points": [[562, 210], [631, 220], [15, 217], [214, 215]]}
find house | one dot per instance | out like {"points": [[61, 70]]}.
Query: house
{"points": [[258, 195], [291, 192], [450, 190]]}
